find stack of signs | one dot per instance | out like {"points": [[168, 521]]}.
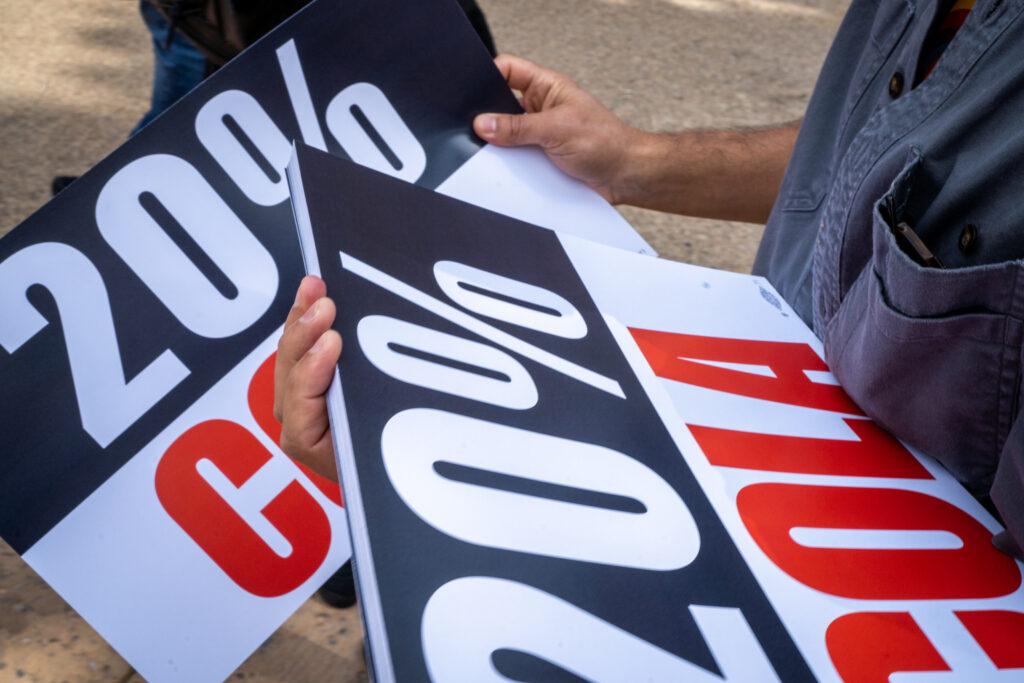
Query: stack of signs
{"points": [[566, 461], [140, 310]]}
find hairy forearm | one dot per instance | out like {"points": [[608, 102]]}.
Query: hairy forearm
{"points": [[730, 175]]}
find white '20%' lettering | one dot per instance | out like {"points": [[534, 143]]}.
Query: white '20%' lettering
{"points": [[483, 614], [108, 402]]}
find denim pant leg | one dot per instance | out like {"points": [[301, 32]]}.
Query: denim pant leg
{"points": [[177, 68]]}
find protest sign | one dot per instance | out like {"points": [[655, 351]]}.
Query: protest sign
{"points": [[564, 460], [140, 308]]}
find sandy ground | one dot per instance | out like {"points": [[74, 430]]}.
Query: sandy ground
{"points": [[74, 78]]}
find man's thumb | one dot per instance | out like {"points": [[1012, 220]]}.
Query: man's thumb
{"points": [[507, 130]]}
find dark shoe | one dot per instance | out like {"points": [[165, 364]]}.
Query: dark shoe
{"points": [[340, 590], [60, 182]]}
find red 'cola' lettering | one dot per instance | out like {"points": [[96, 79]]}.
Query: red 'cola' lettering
{"points": [[805, 530], [875, 454], [668, 355], [973, 570], [868, 647], [218, 528], [1000, 633], [261, 405]]}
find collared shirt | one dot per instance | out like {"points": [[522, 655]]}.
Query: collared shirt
{"points": [[933, 354], [941, 36]]}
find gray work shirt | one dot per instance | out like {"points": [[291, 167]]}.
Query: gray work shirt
{"points": [[932, 354]]}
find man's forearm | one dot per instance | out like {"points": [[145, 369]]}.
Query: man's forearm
{"points": [[729, 175]]}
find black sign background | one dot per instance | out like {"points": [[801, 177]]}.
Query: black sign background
{"points": [[403, 230], [423, 55]]}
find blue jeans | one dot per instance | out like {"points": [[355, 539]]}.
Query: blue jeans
{"points": [[176, 69]]}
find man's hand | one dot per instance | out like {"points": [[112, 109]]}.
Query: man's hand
{"points": [[726, 174], [306, 358], [578, 133]]}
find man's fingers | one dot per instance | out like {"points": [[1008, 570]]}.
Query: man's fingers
{"points": [[304, 409], [519, 73], [542, 88], [513, 130], [305, 433], [299, 336], [310, 289]]}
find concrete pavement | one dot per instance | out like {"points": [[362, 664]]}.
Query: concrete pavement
{"points": [[74, 78]]}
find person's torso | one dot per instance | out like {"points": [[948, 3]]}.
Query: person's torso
{"points": [[947, 159]]}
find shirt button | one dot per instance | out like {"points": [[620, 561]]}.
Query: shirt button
{"points": [[896, 85], [968, 238]]}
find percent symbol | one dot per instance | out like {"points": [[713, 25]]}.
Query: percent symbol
{"points": [[361, 119], [298, 94], [478, 327], [400, 155]]}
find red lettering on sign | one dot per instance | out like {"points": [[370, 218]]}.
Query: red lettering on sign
{"points": [[261, 399], [219, 530], [1000, 634], [974, 570], [667, 354], [867, 647], [876, 454], [261, 404]]}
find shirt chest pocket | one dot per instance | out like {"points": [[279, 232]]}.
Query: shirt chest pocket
{"points": [[932, 354], [851, 83]]}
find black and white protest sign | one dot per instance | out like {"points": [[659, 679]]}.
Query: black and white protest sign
{"points": [[139, 312], [563, 461], [509, 483]]}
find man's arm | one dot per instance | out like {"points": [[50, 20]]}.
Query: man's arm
{"points": [[728, 175], [731, 175]]}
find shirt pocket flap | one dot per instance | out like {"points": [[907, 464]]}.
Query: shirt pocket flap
{"points": [[932, 354]]}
